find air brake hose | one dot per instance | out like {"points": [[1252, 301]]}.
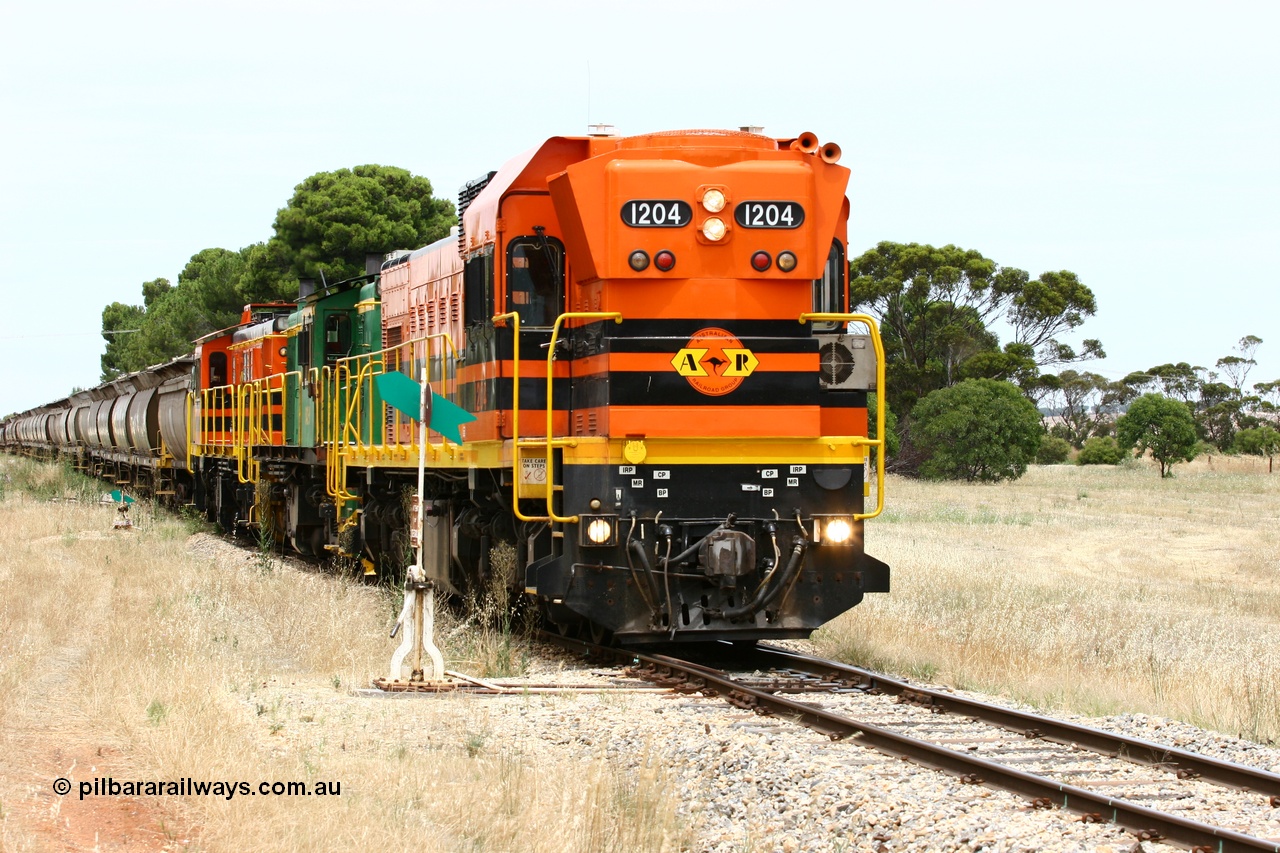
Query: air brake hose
{"points": [[765, 597], [692, 549], [636, 547]]}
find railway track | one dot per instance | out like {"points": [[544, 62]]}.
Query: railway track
{"points": [[1157, 792]]}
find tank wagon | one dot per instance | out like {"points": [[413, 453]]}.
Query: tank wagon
{"points": [[669, 398]]}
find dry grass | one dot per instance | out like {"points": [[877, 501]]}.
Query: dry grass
{"points": [[144, 647], [1094, 589]]}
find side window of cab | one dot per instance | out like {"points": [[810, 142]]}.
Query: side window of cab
{"points": [[535, 279], [337, 337], [477, 285], [218, 370]]}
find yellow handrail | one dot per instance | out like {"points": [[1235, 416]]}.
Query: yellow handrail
{"points": [[448, 338], [340, 424], [515, 415], [549, 442], [216, 399], [253, 435], [284, 401], [260, 404], [342, 429], [879, 442], [335, 460], [616, 317], [343, 426], [445, 377], [242, 434]]}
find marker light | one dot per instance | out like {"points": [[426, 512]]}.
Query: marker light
{"points": [[639, 260], [713, 201], [761, 261], [786, 261], [664, 260], [714, 229]]}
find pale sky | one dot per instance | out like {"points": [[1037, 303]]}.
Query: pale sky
{"points": [[1135, 144]]}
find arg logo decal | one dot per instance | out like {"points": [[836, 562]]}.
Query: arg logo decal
{"points": [[714, 361]]}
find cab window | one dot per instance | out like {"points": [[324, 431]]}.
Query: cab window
{"points": [[477, 285], [337, 337], [218, 370], [304, 346], [535, 279]]}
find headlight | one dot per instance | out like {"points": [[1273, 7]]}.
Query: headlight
{"points": [[597, 530], [713, 201], [838, 530], [714, 229], [835, 530]]}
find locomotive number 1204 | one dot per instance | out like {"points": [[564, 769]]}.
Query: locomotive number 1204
{"points": [[657, 213], [769, 214]]}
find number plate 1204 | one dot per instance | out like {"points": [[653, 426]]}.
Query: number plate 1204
{"points": [[769, 214], [657, 213]]}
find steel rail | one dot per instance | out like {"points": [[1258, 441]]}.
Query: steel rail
{"points": [[1042, 790], [1034, 725]]}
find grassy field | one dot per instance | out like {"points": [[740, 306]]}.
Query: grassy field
{"points": [[1091, 589], [148, 655]]}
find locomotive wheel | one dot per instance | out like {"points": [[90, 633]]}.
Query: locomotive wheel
{"points": [[600, 635], [310, 540]]}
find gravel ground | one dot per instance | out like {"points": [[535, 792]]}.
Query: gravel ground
{"points": [[747, 783]]}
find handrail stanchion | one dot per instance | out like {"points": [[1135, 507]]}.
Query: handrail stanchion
{"points": [[616, 317], [514, 317], [879, 441]]}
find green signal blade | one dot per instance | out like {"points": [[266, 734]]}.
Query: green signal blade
{"points": [[118, 496], [447, 417], [405, 395], [401, 393]]}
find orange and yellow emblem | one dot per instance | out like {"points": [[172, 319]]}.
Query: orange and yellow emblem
{"points": [[714, 361]]}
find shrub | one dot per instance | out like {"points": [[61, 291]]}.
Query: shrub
{"points": [[1162, 425], [1053, 450], [1100, 450], [1259, 441], [979, 429]]}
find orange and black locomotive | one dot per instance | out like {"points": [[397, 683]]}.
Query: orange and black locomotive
{"points": [[666, 398]]}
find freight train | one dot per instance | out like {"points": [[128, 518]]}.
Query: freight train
{"points": [[667, 397]]}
